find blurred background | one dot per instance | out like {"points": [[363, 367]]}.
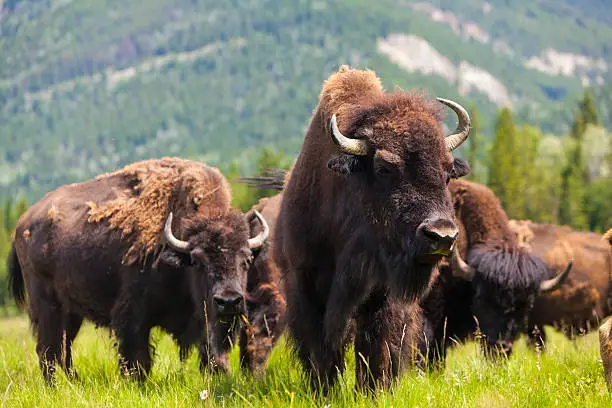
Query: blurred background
{"points": [[88, 86]]}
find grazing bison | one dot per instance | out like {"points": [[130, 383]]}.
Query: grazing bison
{"points": [[365, 219], [494, 291], [585, 299], [96, 250], [265, 299]]}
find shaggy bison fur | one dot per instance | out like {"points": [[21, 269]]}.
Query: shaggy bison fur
{"points": [[364, 221], [585, 299], [98, 250], [265, 298], [493, 292]]}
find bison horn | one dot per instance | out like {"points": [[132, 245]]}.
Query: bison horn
{"points": [[355, 147], [460, 268], [258, 241], [174, 242], [554, 283], [460, 135]]}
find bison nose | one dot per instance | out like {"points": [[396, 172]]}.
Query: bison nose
{"points": [[442, 233], [231, 303]]}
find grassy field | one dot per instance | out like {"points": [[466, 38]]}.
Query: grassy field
{"points": [[569, 374]]}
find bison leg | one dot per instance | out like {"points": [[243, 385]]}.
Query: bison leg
{"points": [[47, 317], [72, 325], [432, 348], [135, 358], [374, 348], [305, 324], [132, 335]]}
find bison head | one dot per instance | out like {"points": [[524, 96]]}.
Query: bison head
{"points": [[505, 284], [217, 254], [398, 164]]}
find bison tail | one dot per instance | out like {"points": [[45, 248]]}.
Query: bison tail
{"points": [[16, 283], [270, 179]]}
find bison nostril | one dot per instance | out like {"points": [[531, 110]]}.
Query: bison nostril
{"points": [[226, 301]]}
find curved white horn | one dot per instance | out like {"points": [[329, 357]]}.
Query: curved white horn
{"points": [[260, 239], [174, 242], [355, 147], [460, 135]]}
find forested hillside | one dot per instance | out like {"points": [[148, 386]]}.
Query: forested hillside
{"points": [[87, 86]]}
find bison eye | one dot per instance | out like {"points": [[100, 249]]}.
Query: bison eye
{"points": [[383, 171]]}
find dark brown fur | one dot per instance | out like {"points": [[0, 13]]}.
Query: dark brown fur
{"points": [[500, 296], [265, 296], [348, 228], [73, 268], [585, 299]]}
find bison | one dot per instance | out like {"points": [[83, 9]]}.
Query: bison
{"points": [[605, 335], [585, 299], [365, 218], [265, 298], [109, 250], [494, 291]]}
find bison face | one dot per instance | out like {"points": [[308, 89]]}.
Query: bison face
{"points": [[217, 256], [398, 165], [505, 283], [501, 314]]}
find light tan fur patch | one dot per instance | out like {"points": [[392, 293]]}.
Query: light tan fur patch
{"points": [[158, 186]]}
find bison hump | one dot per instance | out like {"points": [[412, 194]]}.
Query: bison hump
{"points": [[149, 190]]}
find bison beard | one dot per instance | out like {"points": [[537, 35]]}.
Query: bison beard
{"points": [[364, 220]]}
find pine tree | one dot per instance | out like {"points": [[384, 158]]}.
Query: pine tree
{"points": [[588, 109], [573, 176], [504, 164]]}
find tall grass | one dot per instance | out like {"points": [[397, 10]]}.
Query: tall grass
{"points": [[568, 374]]}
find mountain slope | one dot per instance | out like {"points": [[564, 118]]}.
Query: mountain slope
{"points": [[87, 86]]}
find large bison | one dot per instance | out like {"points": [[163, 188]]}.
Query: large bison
{"points": [[265, 298], [108, 250], [586, 298], [364, 221], [493, 291], [605, 335]]}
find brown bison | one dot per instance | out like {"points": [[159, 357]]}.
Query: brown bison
{"points": [[494, 291], [108, 250], [265, 299], [605, 335], [365, 218], [585, 299]]}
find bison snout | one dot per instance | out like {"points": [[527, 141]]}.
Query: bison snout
{"points": [[231, 303], [441, 234]]}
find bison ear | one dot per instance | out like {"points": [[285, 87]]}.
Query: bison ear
{"points": [[173, 258], [346, 164], [461, 168]]}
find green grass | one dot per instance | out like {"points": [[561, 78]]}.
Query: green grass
{"points": [[569, 374]]}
